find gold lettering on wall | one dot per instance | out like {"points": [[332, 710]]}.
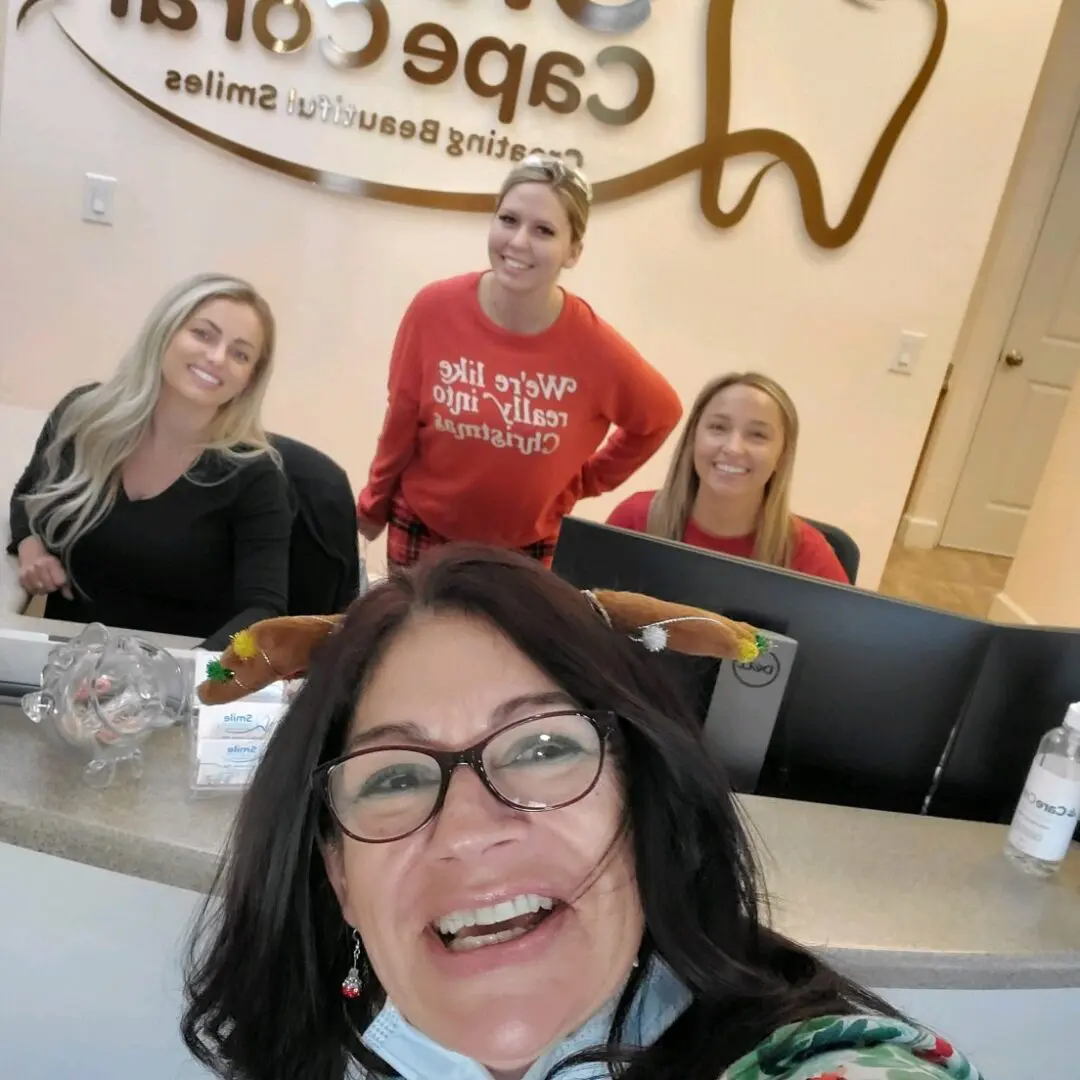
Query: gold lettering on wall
{"points": [[260, 19], [432, 56], [547, 78], [444, 54], [608, 18], [347, 59], [646, 86], [508, 88], [183, 18], [552, 84]]}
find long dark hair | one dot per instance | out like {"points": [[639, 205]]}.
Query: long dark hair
{"points": [[267, 957]]}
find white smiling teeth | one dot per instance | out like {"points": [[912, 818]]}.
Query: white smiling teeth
{"points": [[527, 904], [205, 377]]}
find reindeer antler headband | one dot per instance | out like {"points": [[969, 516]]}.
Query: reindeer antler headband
{"points": [[281, 648]]}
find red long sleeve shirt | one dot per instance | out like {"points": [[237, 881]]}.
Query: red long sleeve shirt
{"points": [[812, 554], [492, 436]]}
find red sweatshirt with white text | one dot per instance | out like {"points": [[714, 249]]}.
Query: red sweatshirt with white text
{"points": [[492, 436]]}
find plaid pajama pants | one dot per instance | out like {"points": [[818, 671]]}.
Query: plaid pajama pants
{"points": [[407, 538]]}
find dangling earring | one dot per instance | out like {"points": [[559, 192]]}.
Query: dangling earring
{"points": [[351, 985]]}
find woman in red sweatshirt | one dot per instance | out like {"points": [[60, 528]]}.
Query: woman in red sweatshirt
{"points": [[504, 387], [728, 484]]}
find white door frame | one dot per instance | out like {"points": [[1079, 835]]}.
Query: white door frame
{"points": [[1024, 205]]}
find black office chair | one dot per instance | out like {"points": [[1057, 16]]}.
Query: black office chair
{"points": [[847, 551], [324, 553]]}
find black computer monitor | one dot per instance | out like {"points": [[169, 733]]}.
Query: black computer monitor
{"points": [[1030, 677], [877, 686]]}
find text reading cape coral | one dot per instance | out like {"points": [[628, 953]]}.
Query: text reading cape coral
{"points": [[431, 55], [614, 86]]}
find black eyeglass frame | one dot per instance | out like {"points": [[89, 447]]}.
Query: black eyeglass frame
{"points": [[603, 721]]}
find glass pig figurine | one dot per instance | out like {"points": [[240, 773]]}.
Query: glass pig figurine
{"points": [[102, 694]]}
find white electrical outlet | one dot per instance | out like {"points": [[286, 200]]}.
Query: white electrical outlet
{"points": [[98, 198], [907, 353]]}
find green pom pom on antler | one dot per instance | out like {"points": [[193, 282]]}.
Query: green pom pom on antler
{"points": [[216, 671]]}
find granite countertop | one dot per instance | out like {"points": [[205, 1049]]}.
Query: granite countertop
{"points": [[152, 828], [898, 900], [891, 899]]}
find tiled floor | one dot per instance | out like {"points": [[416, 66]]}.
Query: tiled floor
{"points": [[963, 581]]}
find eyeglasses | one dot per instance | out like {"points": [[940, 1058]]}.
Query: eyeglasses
{"points": [[540, 763], [560, 172]]}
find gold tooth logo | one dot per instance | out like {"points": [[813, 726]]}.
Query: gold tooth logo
{"points": [[719, 146]]}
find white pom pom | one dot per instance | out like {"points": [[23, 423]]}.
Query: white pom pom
{"points": [[654, 637]]}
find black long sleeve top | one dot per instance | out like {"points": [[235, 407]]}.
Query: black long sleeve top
{"points": [[205, 558]]}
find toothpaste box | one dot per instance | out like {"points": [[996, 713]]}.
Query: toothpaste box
{"points": [[244, 719], [229, 740], [227, 762]]}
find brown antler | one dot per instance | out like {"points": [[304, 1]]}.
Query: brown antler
{"points": [[659, 624], [265, 652], [281, 648]]}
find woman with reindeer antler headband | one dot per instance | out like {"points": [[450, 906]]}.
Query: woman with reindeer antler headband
{"points": [[487, 842]]}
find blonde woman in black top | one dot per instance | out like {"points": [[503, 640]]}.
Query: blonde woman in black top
{"points": [[153, 500]]}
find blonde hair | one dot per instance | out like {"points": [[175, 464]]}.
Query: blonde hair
{"points": [[103, 426], [774, 533], [568, 182]]}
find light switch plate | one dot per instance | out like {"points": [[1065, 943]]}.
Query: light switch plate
{"points": [[99, 198], [907, 352]]}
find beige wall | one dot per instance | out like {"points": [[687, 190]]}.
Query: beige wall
{"points": [[1043, 586], [695, 300]]}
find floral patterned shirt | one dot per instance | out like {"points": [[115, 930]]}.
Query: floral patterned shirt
{"points": [[852, 1048]]}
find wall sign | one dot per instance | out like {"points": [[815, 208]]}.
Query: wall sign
{"points": [[425, 102]]}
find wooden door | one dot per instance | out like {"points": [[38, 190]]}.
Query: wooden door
{"points": [[1036, 370]]}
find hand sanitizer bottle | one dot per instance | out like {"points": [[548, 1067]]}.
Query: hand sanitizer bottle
{"points": [[1046, 816]]}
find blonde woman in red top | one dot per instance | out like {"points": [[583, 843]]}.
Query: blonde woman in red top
{"points": [[504, 389], [728, 485]]}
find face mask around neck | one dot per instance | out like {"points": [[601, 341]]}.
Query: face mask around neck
{"points": [[660, 1000]]}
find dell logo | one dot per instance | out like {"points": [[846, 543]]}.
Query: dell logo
{"points": [[760, 672]]}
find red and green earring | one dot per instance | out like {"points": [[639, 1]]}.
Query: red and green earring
{"points": [[351, 985]]}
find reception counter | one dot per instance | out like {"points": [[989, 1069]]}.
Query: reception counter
{"points": [[99, 889], [895, 900]]}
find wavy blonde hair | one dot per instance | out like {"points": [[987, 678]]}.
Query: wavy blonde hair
{"points": [[98, 430], [774, 534], [569, 183]]}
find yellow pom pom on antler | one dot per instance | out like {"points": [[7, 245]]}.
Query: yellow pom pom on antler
{"points": [[244, 645], [751, 648]]}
